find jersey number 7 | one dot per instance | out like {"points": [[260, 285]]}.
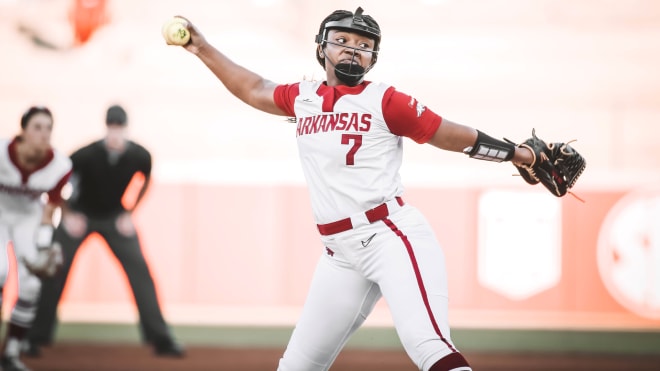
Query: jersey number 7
{"points": [[357, 142]]}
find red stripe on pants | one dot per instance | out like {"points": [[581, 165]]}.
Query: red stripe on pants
{"points": [[420, 282]]}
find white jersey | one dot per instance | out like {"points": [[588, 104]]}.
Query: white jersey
{"points": [[21, 190], [349, 153]]}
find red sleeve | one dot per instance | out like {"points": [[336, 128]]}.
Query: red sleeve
{"points": [[407, 117], [55, 194], [285, 97]]}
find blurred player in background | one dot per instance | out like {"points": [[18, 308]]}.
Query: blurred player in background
{"points": [[29, 169], [62, 24], [102, 171], [350, 140]]}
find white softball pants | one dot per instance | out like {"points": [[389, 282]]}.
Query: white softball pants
{"points": [[21, 233], [403, 263]]}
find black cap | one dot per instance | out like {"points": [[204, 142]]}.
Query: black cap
{"points": [[116, 115]]}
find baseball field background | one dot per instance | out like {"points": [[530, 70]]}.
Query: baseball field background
{"points": [[227, 226]]}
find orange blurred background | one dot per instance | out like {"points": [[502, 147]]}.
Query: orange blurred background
{"points": [[227, 227]]}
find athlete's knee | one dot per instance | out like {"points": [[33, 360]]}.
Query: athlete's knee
{"points": [[29, 289], [451, 362]]}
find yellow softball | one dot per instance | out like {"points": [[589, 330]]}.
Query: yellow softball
{"points": [[175, 32]]}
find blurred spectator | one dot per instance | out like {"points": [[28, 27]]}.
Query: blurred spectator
{"points": [[86, 16], [62, 24]]}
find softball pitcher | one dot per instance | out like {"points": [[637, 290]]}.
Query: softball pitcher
{"points": [[349, 134]]}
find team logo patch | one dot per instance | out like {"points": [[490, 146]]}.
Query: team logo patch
{"points": [[420, 108]]}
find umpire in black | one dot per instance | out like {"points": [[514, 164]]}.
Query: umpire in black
{"points": [[102, 171]]}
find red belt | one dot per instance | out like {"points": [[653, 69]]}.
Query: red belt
{"points": [[377, 213]]}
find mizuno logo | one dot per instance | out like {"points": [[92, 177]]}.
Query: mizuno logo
{"points": [[368, 241], [307, 100]]}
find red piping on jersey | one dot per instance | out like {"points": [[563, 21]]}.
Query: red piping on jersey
{"points": [[420, 282], [25, 173]]}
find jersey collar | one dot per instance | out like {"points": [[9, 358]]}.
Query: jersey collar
{"points": [[331, 94], [25, 173]]}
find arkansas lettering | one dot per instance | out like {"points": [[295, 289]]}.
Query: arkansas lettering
{"points": [[333, 121], [22, 191]]}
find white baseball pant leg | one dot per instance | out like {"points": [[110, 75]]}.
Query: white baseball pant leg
{"points": [[338, 302], [22, 235], [412, 277]]}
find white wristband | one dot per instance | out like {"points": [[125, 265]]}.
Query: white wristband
{"points": [[44, 236]]}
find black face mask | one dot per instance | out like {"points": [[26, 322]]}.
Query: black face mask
{"points": [[350, 74]]}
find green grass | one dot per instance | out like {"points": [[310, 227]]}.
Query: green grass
{"points": [[625, 342]]}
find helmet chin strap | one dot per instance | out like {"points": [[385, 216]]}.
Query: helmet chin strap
{"points": [[351, 74]]}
